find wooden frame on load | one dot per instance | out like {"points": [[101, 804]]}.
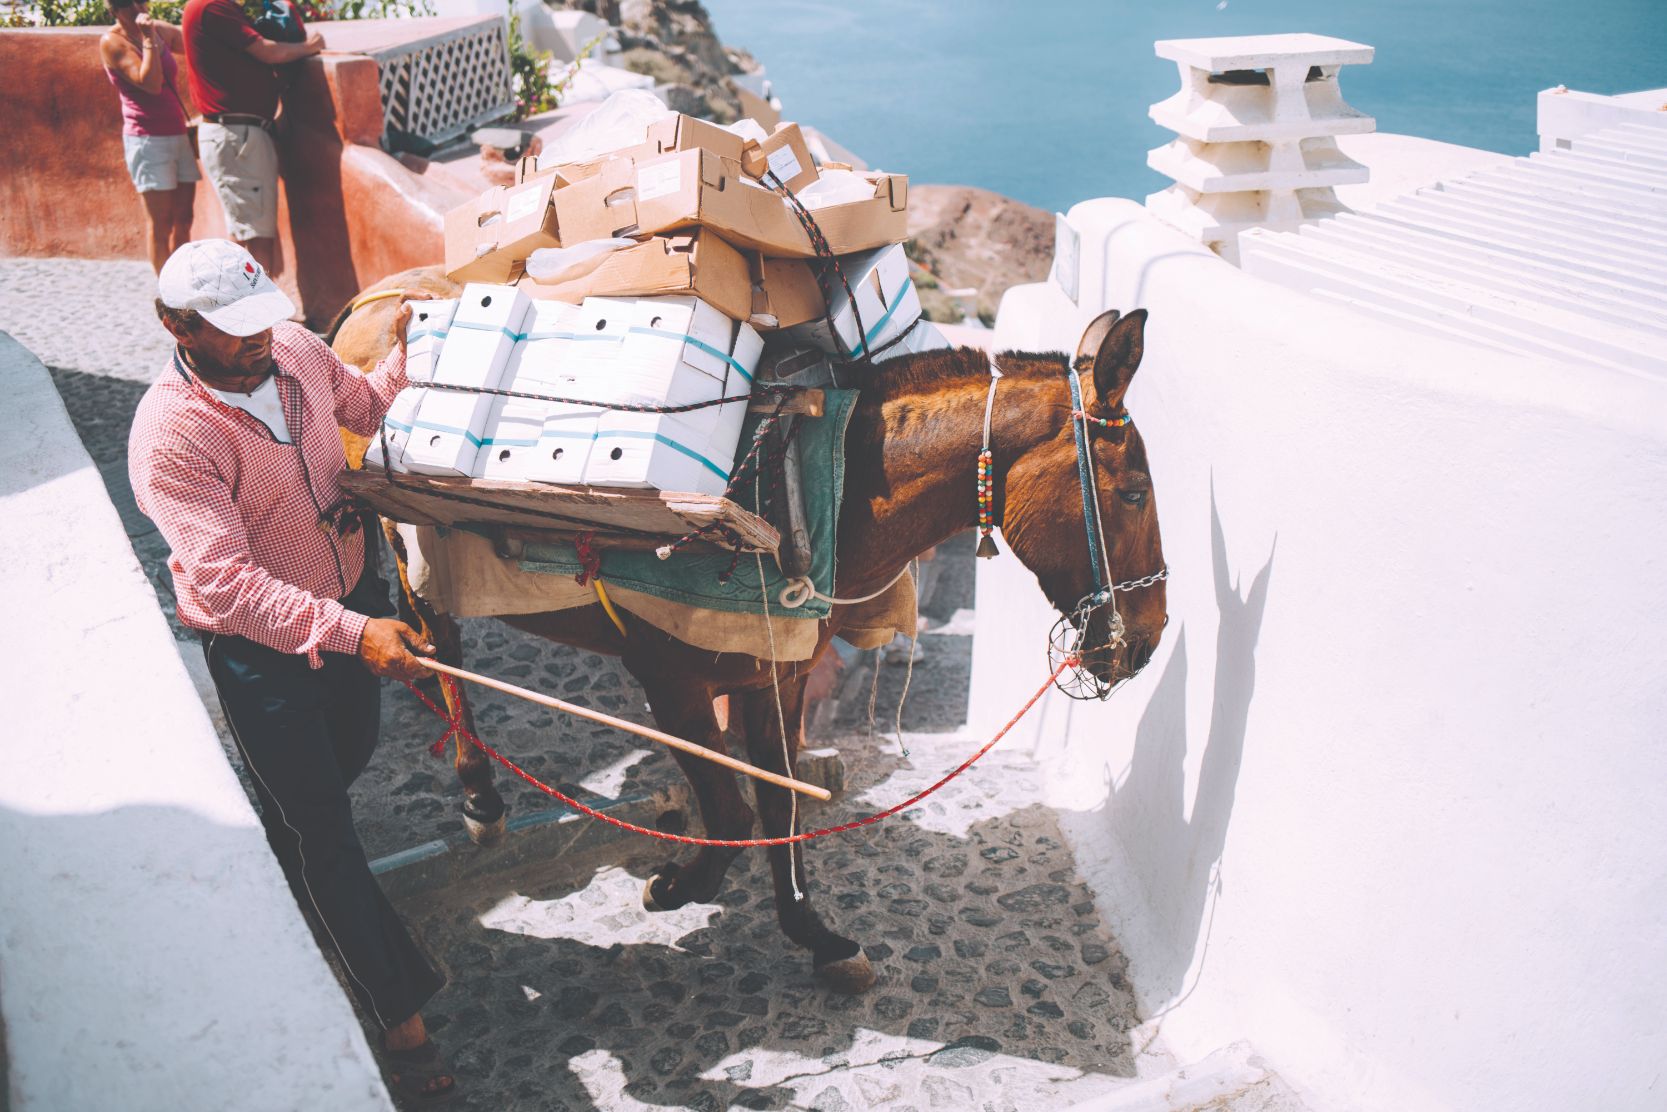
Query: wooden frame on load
{"points": [[544, 512]]}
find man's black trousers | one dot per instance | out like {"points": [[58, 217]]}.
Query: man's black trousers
{"points": [[305, 735]]}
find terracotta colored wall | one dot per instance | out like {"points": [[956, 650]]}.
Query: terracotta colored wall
{"points": [[349, 214]]}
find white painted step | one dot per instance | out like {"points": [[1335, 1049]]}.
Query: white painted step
{"points": [[1412, 246], [1551, 325]]}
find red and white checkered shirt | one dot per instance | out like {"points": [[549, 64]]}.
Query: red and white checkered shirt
{"points": [[262, 544]]}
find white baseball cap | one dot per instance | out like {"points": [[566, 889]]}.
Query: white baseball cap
{"points": [[225, 284]]}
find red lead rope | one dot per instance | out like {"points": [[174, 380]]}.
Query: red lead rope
{"points": [[455, 726]]}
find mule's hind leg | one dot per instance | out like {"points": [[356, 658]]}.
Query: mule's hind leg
{"points": [[840, 962], [685, 710], [484, 810]]}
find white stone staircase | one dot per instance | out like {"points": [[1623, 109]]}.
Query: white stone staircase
{"points": [[1561, 253]]}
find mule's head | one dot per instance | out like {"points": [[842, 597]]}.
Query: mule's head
{"points": [[1043, 508]]}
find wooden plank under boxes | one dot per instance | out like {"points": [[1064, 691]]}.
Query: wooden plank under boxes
{"points": [[667, 351], [633, 198], [424, 333], [695, 262], [540, 441], [532, 511], [450, 424]]}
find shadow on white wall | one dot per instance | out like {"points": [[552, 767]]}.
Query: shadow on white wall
{"points": [[1178, 857]]}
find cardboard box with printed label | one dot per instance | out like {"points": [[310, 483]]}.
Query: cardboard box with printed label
{"points": [[488, 238], [696, 262], [886, 300], [536, 440], [639, 198], [450, 424], [424, 335], [784, 154]]}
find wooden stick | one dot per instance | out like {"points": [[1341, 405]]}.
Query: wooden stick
{"points": [[648, 732]]}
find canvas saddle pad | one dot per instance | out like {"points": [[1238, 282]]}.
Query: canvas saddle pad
{"points": [[462, 575]]}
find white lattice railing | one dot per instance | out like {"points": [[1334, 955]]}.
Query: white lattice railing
{"points": [[439, 87]]}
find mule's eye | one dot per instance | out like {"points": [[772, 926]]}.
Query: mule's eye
{"points": [[1132, 497]]}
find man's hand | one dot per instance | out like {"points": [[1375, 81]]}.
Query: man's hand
{"points": [[402, 318], [314, 43], [390, 648]]}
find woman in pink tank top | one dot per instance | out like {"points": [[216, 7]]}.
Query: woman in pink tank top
{"points": [[138, 56]]}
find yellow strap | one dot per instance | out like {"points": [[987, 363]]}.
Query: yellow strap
{"points": [[608, 606], [379, 295]]}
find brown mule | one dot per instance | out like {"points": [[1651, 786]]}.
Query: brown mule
{"points": [[912, 451]]}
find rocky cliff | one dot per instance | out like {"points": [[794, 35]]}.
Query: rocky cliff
{"points": [[961, 235]]}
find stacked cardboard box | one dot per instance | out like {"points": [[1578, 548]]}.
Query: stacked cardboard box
{"points": [[670, 265]]}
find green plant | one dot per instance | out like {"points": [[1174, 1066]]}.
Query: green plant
{"points": [[530, 71], [535, 92]]}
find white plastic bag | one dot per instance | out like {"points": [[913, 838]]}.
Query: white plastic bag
{"points": [[563, 264], [836, 187], [622, 120], [748, 129]]}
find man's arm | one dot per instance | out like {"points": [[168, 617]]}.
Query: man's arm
{"points": [[281, 53], [193, 508], [363, 400], [226, 24]]}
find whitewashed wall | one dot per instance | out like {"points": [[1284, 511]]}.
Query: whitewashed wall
{"points": [[152, 958], [1387, 802]]}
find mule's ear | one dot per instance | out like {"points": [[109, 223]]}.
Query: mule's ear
{"points": [[1117, 357]]}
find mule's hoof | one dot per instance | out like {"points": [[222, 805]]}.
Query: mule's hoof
{"points": [[666, 901], [485, 833], [848, 975]]}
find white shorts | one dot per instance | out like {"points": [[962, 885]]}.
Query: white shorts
{"points": [[242, 163], [160, 162]]}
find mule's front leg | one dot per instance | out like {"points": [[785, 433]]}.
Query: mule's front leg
{"points": [[839, 961], [685, 709], [484, 810]]}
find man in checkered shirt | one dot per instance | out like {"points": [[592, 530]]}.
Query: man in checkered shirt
{"points": [[235, 455]]}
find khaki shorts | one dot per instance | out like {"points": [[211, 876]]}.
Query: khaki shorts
{"points": [[158, 163], [241, 162]]}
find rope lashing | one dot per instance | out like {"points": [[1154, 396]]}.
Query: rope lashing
{"points": [[455, 726]]}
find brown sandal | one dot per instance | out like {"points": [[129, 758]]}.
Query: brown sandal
{"points": [[419, 1074]]}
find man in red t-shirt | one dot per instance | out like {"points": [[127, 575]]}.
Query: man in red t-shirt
{"points": [[236, 87]]}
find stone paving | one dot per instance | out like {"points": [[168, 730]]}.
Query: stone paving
{"points": [[1000, 987]]}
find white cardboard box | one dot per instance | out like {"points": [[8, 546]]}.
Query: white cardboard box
{"points": [[667, 451], [424, 335], [540, 441], [451, 424], [886, 299], [666, 351]]}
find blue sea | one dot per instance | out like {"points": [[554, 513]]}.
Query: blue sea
{"points": [[1045, 100]]}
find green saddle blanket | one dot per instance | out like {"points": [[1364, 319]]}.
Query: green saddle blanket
{"points": [[696, 579]]}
